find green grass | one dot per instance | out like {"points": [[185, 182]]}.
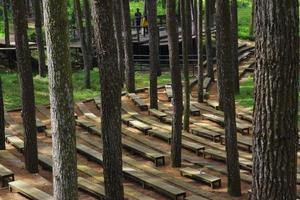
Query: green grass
{"points": [[11, 88]]}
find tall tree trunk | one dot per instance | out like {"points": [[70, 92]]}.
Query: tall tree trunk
{"points": [[110, 98], [194, 4], [209, 50], [252, 21], [117, 17], [154, 50], [6, 22], [185, 8], [2, 120], [200, 50], [275, 134], [39, 36], [235, 45], [61, 100], [128, 48], [224, 64], [27, 88], [87, 78], [172, 30], [88, 31]]}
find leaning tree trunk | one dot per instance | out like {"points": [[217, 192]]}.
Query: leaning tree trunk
{"points": [[209, 50], [235, 54], [128, 48], [275, 141], [86, 63], [200, 50], [27, 88], [6, 22], [2, 119], [117, 17], [110, 98], [224, 64], [185, 8], [61, 100], [154, 50], [88, 31], [176, 83], [39, 36]]}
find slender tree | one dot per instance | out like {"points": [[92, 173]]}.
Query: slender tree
{"points": [[110, 98], [88, 31], [26, 83], [39, 36], [86, 60], [185, 8], [275, 141], [2, 120], [224, 64], [235, 45], [200, 50], [172, 30], [154, 50], [128, 48], [252, 21], [61, 100], [117, 18], [6, 22], [209, 50]]}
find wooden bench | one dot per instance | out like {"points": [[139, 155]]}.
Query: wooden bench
{"points": [[193, 147], [132, 96], [45, 161], [213, 104], [140, 125], [206, 133], [40, 126], [169, 92], [213, 181], [6, 175], [84, 123], [91, 188], [154, 183], [97, 101], [194, 111], [144, 151], [220, 120], [126, 118], [156, 113], [241, 140], [48, 133], [16, 142], [28, 191], [206, 83], [141, 104], [90, 153], [161, 134]]}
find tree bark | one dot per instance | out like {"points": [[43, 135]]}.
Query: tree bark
{"points": [[128, 48], [86, 63], [235, 46], [185, 9], [209, 51], [275, 134], [6, 22], [39, 36], [88, 31], [200, 50], [2, 119], [154, 50], [117, 17], [61, 100], [26, 83], [110, 98], [172, 30], [224, 64]]}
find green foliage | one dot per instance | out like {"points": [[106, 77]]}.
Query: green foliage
{"points": [[11, 88]]}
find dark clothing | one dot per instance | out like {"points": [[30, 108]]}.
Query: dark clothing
{"points": [[138, 18]]}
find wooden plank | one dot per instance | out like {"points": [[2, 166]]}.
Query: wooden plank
{"points": [[29, 191], [16, 142], [169, 92], [92, 188], [201, 176], [206, 133], [140, 125], [6, 175], [157, 113]]}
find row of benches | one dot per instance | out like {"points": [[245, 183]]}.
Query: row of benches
{"points": [[138, 101]]}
